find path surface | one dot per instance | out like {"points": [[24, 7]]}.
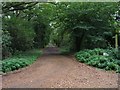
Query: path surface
{"points": [[57, 71]]}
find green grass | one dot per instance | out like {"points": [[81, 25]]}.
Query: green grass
{"points": [[20, 60]]}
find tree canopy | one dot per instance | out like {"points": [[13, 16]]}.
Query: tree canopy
{"points": [[73, 26]]}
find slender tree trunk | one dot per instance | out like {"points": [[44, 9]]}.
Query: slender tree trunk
{"points": [[79, 41], [116, 41]]}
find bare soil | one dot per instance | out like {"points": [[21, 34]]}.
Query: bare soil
{"points": [[53, 70]]}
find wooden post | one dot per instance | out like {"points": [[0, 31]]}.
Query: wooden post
{"points": [[116, 40]]}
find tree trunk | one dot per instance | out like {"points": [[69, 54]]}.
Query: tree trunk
{"points": [[79, 41]]}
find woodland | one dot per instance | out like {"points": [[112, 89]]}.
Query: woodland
{"points": [[89, 31]]}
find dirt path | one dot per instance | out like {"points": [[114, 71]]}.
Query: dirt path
{"points": [[58, 71]]}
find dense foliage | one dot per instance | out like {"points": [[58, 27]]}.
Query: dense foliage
{"points": [[27, 27], [6, 43], [21, 32], [72, 27], [101, 58], [20, 60], [84, 25]]}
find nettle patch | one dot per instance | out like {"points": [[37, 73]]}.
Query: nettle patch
{"points": [[100, 58]]}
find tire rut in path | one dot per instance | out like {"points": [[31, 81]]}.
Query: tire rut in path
{"points": [[57, 71]]}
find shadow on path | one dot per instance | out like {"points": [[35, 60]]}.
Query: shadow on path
{"points": [[51, 50]]}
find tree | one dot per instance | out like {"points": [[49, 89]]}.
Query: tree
{"points": [[80, 19], [27, 23]]}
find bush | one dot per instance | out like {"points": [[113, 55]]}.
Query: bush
{"points": [[12, 65], [95, 42], [6, 43], [19, 60], [114, 53], [64, 51], [22, 33], [101, 58]]}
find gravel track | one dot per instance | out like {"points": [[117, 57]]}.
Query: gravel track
{"points": [[53, 70]]}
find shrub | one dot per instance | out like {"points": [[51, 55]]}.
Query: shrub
{"points": [[64, 51], [100, 58], [19, 60], [114, 53], [95, 42], [6, 43], [12, 65], [22, 33]]}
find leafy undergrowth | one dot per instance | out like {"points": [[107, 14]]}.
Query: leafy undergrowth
{"points": [[20, 60], [64, 51], [100, 58]]}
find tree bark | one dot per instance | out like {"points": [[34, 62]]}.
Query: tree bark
{"points": [[79, 41]]}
